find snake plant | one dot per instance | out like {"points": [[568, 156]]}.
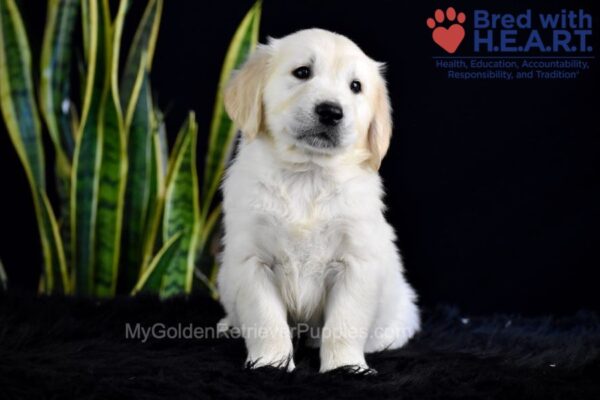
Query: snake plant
{"points": [[129, 217]]}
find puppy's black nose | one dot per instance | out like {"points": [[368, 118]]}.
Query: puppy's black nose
{"points": [[329, 113]]}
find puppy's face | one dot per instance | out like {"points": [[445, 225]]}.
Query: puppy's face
{"points": [[315, 93]]}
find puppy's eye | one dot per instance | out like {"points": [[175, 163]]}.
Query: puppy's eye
{"points": [[355, 86], [302, 72]]}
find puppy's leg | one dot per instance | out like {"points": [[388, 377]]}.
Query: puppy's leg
{"points": [[398, 316], [349, 312], [263, 318]]}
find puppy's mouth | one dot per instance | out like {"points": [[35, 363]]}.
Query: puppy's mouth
{"points": [[320, 139]]}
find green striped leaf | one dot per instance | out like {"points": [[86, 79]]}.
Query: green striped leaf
{"points": [[205, 247], [22, 121], [86, 28], [144, 42], [59, 274], [209, 226], [157, 191], [205, 281], [152, 278], [113, 165], [55, 68], [162, 147], [63, 186], [181, 212], [222, 130], [87, 158], [158, 164], [16, 93], [141, 179], [55, 104], [212, 280]]}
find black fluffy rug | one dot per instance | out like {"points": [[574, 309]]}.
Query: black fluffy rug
{"points": [[67, 348]]}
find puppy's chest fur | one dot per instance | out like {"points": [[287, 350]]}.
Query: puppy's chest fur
{"points": [[302, 219]]}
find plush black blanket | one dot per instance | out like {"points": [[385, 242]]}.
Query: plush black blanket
{"points": [[69, 348]]}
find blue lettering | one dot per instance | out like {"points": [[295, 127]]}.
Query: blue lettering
{"points": [[583, 34], [534, 42], [549, 20], [481, 19], [524, 20], [480, 40], [504, 32], [561, 39], [508, 21], [506, 39]]}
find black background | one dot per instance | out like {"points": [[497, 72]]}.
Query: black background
{"points": [[493, 186]]}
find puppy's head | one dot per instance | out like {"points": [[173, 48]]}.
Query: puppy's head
{"points": [[315, 93]]}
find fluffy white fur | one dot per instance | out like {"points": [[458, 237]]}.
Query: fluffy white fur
{"points": [[305, 236]]}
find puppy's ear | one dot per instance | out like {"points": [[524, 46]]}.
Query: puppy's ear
{"points": [[243, 95], [380, 129]]}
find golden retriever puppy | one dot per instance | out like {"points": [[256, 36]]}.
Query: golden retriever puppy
{"points": [[306, 241]]}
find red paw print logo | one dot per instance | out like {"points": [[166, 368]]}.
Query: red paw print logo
{"points": [[447, 38]]}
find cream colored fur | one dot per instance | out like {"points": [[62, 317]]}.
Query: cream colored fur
{"points": [[305, 239]]}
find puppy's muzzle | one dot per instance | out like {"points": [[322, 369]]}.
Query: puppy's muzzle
{"points": [[330, 113]]}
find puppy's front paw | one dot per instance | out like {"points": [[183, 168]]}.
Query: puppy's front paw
{"points": [[349, 359], [285, 363], [275, 351], [354, 370]]}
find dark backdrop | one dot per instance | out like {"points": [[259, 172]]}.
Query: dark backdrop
{"points": [[493, 187]]}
